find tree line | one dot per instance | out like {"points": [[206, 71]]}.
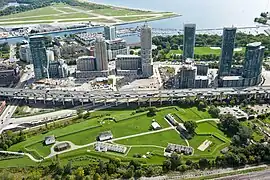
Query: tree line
{"points": [[175, 42]]}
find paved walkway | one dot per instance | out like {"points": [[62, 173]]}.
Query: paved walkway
{"points": [[22, 154], [205, 120]]}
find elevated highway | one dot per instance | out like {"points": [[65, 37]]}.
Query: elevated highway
{"points": [[153, 95]]}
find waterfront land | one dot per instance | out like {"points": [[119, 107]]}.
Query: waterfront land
{"points": [[63, 13]]}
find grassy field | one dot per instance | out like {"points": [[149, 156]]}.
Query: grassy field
{"points": [[192, 114], [119, 12], [65, 13], [36, 12], [135, 124], [19, 162], [158, 139], [125, 123], [199, 51]]}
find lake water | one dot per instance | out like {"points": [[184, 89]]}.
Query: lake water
{"points": [[205, 13]]}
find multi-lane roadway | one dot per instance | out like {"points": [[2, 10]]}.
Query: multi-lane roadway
{"points": [[64, 95]]}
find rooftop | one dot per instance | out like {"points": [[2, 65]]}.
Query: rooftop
{"points": [[128, 56], [254, 44], [201, 78], [231, 78]]}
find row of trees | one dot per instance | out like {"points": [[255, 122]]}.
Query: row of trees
{"points": [[9, 138]]}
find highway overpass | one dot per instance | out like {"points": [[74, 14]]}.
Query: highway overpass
{"points": [[153, 95]]}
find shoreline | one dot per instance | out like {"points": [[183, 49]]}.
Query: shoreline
{"points": [[125, 7]]}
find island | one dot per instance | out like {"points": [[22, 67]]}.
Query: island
{"points": [[71, 11]]}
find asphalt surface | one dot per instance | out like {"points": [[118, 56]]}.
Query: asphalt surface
{"points": [[260, 175]]}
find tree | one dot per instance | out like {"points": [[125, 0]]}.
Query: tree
{"points": [[68, 168], [79, 173], [204, 163], [229, 124], [136, 164], [175, 161], [214, 111], [201, 105], [131, 52], [129, 173], [167, 165], [152, 111], [182, 168], [190, 126], [96, 177], [138, 173], [101, 167]]}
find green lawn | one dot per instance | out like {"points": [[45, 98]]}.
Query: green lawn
{"points": [[156, 156], [40, 148], [206, 50], [199, 51], [158, 139], [135, 124], [192, 114], [127, 123], [213, 149], [19, 162]]}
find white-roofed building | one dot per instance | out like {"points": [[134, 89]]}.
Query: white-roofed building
{"points": [[155, 125], [49, 140]]}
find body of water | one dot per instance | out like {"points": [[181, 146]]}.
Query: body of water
{"points": [[205, 14]]}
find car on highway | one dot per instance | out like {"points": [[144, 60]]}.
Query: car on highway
{"points": [[117, 95]]}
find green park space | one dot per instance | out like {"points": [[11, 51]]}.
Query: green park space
{"points": [[161, 139], [126, 122], [200, 51], [257, 135], [192, 114]]}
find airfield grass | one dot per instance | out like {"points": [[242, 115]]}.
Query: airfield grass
{"points": [[114, 11], [62, 13], [36, 12], [138, 18]]}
